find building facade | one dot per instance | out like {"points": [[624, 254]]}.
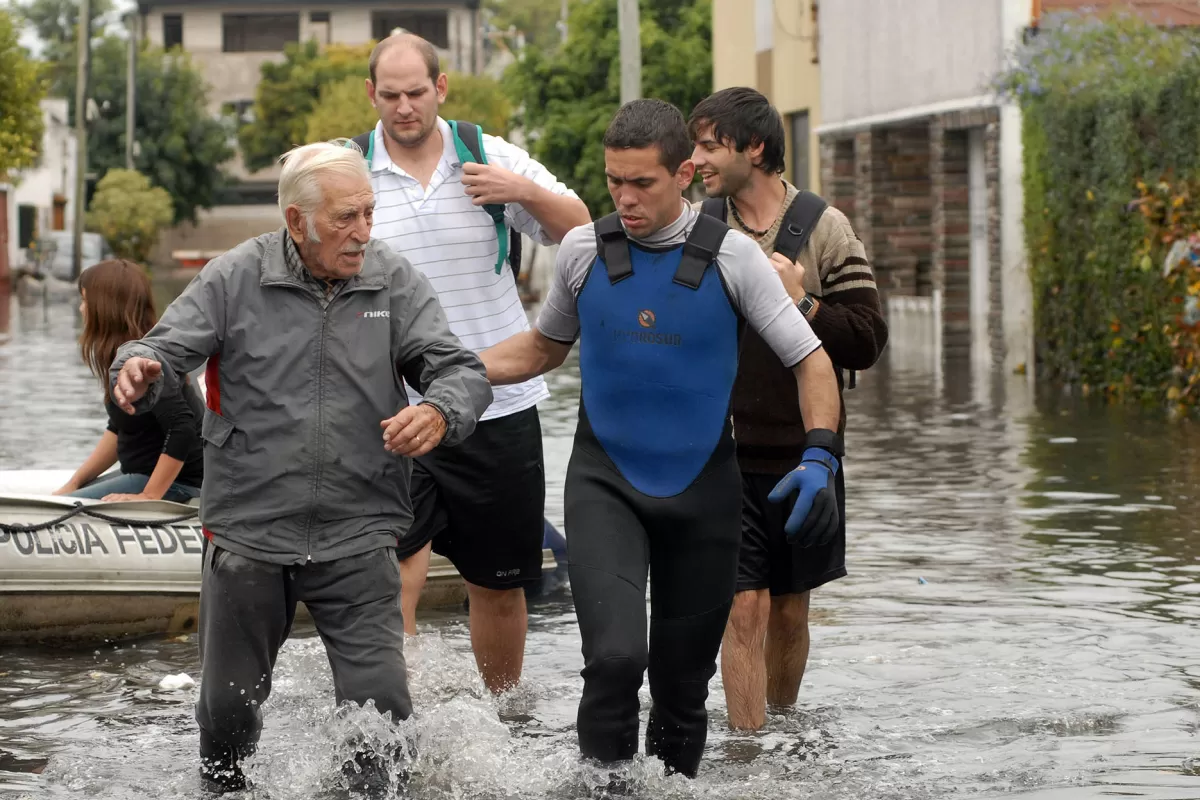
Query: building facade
{"points": [[230, 42], [41, 198], [775, 50]]}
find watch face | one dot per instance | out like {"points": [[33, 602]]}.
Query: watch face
{"points": [[805, 305]]}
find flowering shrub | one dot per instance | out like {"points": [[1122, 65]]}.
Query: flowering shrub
{"points": [[1110, 107]]}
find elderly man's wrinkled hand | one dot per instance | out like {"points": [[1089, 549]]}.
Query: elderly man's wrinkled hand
{"points": [[414, 431], [133, 380]]}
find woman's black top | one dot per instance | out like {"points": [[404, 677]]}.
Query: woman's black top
{"points": [[171, 426]]}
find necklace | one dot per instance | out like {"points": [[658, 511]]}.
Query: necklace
{"points": [[742, 222]]}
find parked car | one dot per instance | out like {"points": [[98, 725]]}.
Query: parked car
{"points": [[51, 253]]}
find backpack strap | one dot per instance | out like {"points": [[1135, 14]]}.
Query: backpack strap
{"points": [[613, 246], [366, 143], [799, 221], [700, 250], [715, 207], [468, 143]]}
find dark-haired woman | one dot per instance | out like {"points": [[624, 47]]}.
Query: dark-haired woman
{"points": [[160, 452]]}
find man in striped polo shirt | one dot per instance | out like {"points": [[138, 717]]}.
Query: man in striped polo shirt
{"points": [[479, 504]]}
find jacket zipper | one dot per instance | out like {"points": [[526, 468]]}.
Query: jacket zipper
{"points": [[320, 447]]}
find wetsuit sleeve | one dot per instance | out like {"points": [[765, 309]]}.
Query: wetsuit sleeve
{"points": [[559, 319], [508, 156], [189, 331], [763, 302], [433, 360], [178, 422]]}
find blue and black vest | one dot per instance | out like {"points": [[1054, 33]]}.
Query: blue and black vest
{"points": [[658, 355]]}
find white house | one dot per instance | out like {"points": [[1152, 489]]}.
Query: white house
{"points": [[41, 198]]}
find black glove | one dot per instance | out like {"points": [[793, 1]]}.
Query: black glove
{"points": [[814, 518]]}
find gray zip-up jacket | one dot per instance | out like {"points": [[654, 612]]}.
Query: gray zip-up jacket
{"points": [[294, 465]]}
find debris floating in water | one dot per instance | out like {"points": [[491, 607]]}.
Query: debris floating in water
{"points": [[173, 682], [922, 581], [1064, 440]]}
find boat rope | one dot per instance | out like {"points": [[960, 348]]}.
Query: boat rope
{"points": [[80, 508]]}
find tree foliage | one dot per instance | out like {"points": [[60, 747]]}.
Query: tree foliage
{"points": [[1111, 108], [181, 145], [129, 213], [536, 19], [21, 91], [289, 91], [56, 23], [568, 96]]}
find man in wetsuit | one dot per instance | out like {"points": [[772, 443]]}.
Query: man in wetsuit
{"points": [[657, 295]]}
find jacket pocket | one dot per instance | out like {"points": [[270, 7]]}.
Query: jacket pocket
{"points": [[215, 429]]}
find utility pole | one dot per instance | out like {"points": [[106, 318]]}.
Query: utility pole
{"points": [[131, 87], [83, 47], [631, 50]]}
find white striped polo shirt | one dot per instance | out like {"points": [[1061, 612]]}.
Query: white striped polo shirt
{"points": [[453, 242]]}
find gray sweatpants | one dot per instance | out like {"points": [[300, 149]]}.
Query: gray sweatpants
{"points": [[246, 611]]}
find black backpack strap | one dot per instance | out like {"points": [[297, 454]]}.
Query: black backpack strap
{"points": [[700, 250], [715, 207], [363, 140], [799, 221], [612, 245]]}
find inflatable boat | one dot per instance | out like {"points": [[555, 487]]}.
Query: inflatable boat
{"points": [[75, 569]]}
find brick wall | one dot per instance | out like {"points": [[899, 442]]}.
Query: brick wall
{"points": [[906, 189], [901, 212]]}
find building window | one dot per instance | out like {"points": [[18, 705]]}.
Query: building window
{"points": [[432, 26], [172, 31], [764, 25], [800, 142], [318, 16], [26, 225], [258, 33]]}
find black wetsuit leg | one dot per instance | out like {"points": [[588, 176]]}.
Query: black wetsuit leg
{"points": [[689, 545]]}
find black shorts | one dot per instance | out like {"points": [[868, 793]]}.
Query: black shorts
{"points": [[766, 559], [482, 503]]}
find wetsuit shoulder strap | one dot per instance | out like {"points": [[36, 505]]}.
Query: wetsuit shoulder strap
{"points": [[799, 221], [715, 207], [613, 246], [700, 250]]}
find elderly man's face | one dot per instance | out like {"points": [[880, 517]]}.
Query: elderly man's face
{"points": [[334, 241]]}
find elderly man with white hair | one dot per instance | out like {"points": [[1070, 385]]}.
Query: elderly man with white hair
{"points": [[309, 333]]}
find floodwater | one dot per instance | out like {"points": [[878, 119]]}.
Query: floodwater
{"points": [[1019, 621]]}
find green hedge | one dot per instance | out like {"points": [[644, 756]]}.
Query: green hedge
{"points": [[1107, 103]]}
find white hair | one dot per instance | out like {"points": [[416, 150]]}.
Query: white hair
{"points": [[300, 179]]}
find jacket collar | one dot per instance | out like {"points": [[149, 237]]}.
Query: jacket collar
{"points": [[274, 268]]}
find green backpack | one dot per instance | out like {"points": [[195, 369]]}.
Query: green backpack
{"points": [[468, 143]]}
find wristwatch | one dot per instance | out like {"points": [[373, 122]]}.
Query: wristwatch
{"points": [[806, 305]]}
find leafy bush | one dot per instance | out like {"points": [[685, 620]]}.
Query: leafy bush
{"points": [[1111, 107], [129, 213]]}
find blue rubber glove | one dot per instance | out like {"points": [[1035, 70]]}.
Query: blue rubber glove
{"points": [[814, 517]]}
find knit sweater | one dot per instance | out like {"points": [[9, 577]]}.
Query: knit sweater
{"points": [[849, 320]]}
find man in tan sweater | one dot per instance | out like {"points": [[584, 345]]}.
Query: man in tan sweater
{"points": [[739, 153]]}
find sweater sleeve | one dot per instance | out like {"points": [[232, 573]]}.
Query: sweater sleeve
{"points": [[849, 318], [178, 422]]}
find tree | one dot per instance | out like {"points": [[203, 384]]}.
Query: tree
{"points": [[181, 144], [344, 110], [288, 92], [56, 23], [537, 19], [21, 92], [129, 213], [567, 97]]}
